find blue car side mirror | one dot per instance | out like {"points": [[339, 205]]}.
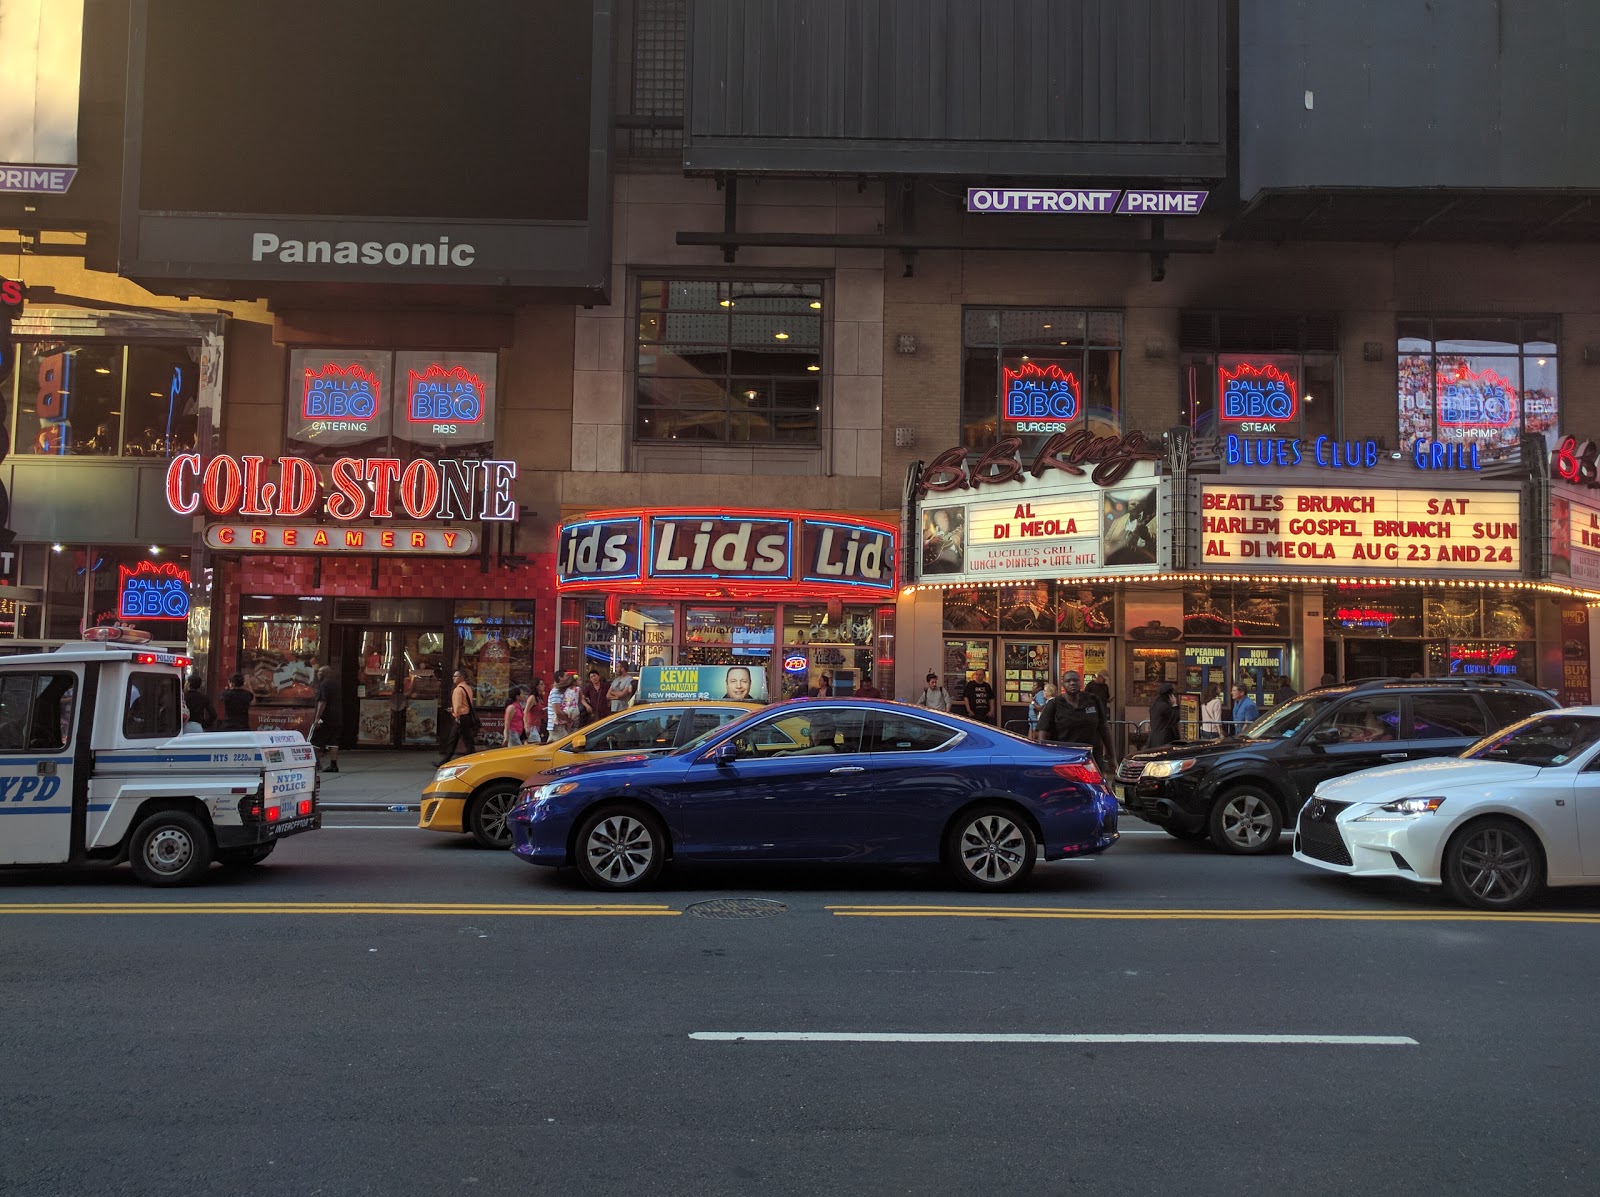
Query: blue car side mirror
{"points": [[725, 753]]}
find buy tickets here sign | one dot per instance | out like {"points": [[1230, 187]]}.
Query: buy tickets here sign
{"points": [[1360, 529]]}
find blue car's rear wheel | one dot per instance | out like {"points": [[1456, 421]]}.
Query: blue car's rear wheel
{"points": [[620, 847], [990, 847]]}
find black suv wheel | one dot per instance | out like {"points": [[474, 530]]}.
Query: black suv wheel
{"points": [[1245, 821]]}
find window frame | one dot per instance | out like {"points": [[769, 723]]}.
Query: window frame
{"points": [[34, 677], [875, 740], [1466, 696], [180, 712], [1526, 323], [823, 281], [635, 717]]}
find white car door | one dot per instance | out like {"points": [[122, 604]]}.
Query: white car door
{"points": [[1586, 798], [38, 708]]}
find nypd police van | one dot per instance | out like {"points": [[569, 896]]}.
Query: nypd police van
{"points": [[96, 767]]}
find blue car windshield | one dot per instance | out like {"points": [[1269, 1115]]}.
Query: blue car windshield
{"points": [[1545, 741]]}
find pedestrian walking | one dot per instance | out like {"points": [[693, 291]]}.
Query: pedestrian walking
{"points": [[619, 694], [236, 702], [934, 696], [463, 719], [559, 713], [1163, 719], [572, 702], [1284, 694], [1211, 713], [1036, 707], [1245, 710], [535, 711], [1100, 687], [1076, 717], [515, 718], [327, 724], [593, 702], [198, 703]]}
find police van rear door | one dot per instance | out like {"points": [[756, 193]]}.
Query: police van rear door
{"points": [[39, 711]]}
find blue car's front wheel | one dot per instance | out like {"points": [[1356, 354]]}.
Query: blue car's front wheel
{"points": [[991, 847], [620, 847]]}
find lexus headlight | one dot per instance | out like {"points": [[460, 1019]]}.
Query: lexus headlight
{"points": [[450, 773], [1167, 768], [1402, 808]]}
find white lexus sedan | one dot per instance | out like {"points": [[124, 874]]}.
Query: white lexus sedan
{"points": [[1513, 813]]}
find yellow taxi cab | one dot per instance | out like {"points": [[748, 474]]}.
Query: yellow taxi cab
{"points": [[471, 794]]}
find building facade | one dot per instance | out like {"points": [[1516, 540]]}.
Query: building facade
{"points": [[952, 352]]}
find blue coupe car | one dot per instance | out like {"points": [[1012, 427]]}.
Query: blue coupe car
{"points": [[847, 780]]}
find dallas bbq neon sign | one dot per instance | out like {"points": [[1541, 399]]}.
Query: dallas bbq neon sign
{"points": [[335, 392], [441, 396], [1252, 391], [153, 591], [1475, 399], [355, 488], [1035, 392]]}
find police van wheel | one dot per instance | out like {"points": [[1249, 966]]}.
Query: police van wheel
{"points": [[239, 858], [171, 847]]}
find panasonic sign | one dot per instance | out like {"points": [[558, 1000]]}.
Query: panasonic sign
{"points": [[268, 247]]}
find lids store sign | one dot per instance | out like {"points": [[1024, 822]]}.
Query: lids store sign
{"points": [[1349, 529]]}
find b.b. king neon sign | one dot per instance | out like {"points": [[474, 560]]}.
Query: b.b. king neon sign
{"points": [[152, 590], [1257, 396], [1041, 398], [444, 397], [342, 398]]}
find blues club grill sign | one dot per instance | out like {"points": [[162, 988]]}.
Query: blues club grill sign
{"points": [[692, 552]]}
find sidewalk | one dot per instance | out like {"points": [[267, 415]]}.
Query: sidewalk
{"points": [[368, 777]]}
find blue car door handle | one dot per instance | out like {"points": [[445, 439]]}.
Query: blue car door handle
{"points": [[1396, 756], [848, 769]]}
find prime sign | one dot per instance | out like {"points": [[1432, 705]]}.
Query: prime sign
{"points": [[354, 488]]}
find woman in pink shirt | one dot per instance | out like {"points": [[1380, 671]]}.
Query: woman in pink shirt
{"points": [[514, 718]]}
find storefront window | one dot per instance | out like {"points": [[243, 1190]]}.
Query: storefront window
{"points": [[728, 636], [1370, 612], [976, 610], [1478, 381], [280, 644], [1028, 373], [1218, 611], [162, 402], [495, 650], [69, 399], [736, 362]]}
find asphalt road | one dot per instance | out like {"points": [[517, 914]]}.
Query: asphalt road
{"points": [[383, 1011]]}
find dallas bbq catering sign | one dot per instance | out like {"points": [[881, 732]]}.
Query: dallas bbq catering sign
{"points": [[1342, 529], [252, 502]]}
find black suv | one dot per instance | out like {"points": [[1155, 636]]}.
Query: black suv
{"points": [[1240, 791]]}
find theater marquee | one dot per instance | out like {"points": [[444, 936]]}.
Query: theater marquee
{"points": [[1360, 530]]}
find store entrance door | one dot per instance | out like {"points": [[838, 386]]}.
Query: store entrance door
{"points": [[1382, 658], [393, 680]]}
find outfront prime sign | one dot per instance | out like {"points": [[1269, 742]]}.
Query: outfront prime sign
{"points": [[1059, 201], [41, 55]]}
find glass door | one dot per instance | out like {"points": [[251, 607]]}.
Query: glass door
{"points": [[400, 680], [967, 661], [1025, 670]]}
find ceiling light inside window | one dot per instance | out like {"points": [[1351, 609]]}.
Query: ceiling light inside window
{"points": [[727, 303], [813, 368], [1541, 361], [816, 304], [102, 370], [780, 336]]}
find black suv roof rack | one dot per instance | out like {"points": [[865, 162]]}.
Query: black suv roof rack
{"points": [[1468, 683]]}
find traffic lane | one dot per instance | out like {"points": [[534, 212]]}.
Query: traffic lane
{"points": [[409, 865], [400, 1055]]}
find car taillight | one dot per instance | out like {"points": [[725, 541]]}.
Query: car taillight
{"points": [[305, 806], [272, 813], [1086, 773], [251, 808]]}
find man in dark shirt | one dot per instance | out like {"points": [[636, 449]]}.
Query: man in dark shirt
{"points": [[327, 723], [980, 698], [592, 701], [236, 702], [1073, 717]]}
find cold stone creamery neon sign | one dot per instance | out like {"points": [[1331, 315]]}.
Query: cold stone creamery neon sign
{"points": [[269, 247], [356, 488]]}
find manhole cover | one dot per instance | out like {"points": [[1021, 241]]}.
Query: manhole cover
{"points": [[736, 908]]}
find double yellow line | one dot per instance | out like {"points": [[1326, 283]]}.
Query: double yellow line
{"points": [[405, 909], [1180, 914]]}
